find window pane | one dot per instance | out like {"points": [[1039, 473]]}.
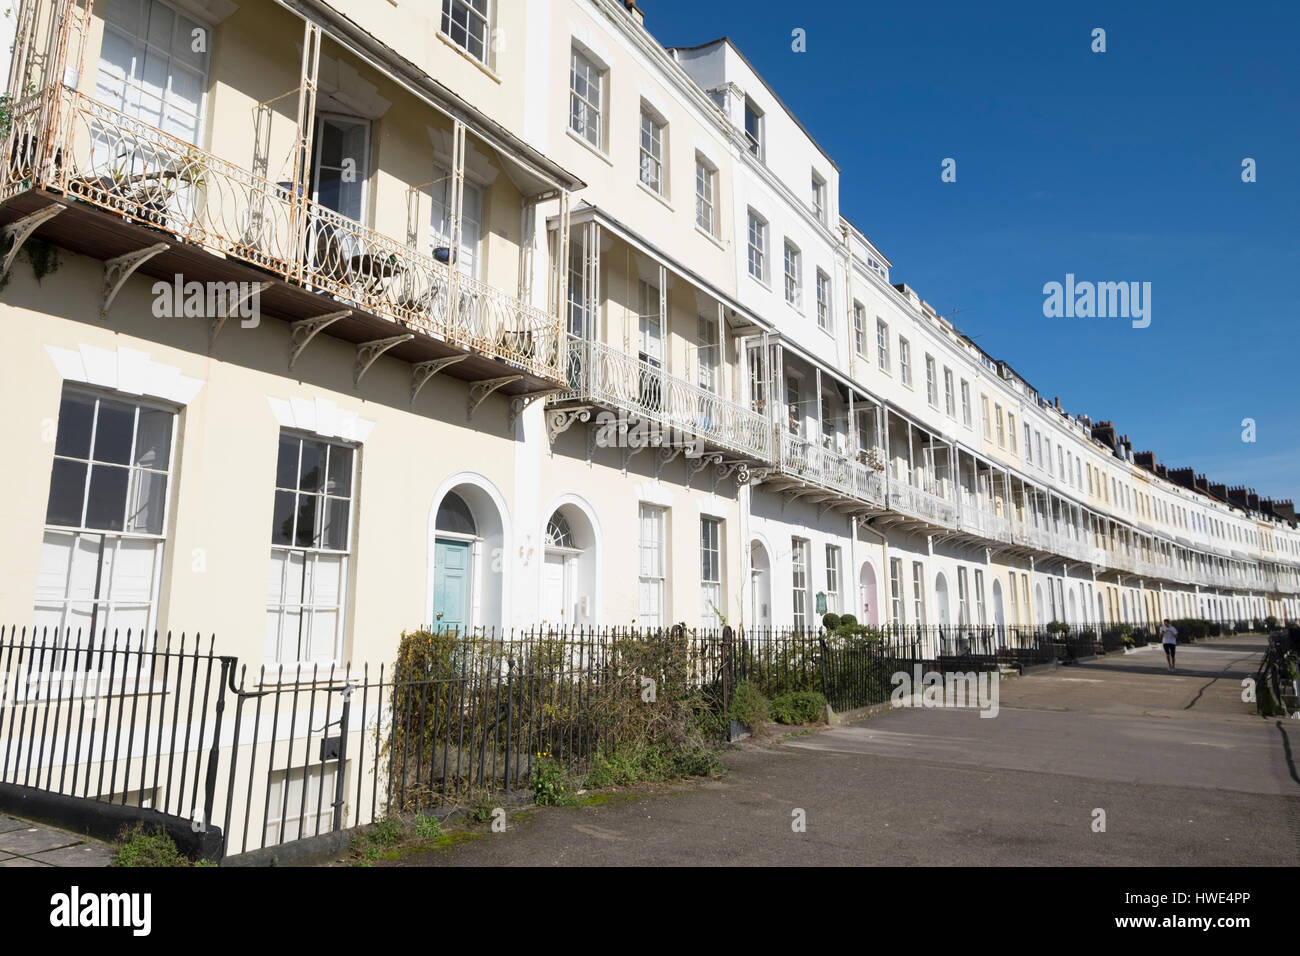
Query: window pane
{"points": [[334, 528], [286, 466], [282, 519], [148, 496], [304, 534], [106, 508], [113, 432], [75, 415], [313, 463], [67, 489], [340, 471], [153, 439]]}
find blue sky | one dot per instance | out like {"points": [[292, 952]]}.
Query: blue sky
{"points": [[1115, 166]]}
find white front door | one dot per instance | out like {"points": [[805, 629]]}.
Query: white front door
{"points": [[554, 588]]}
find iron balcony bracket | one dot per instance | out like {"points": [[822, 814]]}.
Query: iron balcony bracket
{"points": [[420, 374], [479, 391], [19, 231], [369, 352], [219, 321], [304, 330], [118, 270]]}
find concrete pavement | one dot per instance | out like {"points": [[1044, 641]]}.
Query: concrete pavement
{"points": [[31, 844], [1184, 771]]}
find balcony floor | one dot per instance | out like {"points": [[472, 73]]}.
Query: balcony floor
{"points": [[99, 234]]}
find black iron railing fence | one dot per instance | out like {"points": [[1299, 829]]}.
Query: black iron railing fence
{"points": [[260, 757]]}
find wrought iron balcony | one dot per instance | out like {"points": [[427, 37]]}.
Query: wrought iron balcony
{"points": [[600, 375], [62, 145], [807, 461], [920, 503], [985, 524]]}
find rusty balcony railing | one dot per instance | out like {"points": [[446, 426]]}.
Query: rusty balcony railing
{"points": [[67, 142]]}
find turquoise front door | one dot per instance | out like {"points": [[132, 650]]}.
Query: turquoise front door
{"points": [[451, 584]]}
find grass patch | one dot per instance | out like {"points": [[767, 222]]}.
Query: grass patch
{"points": [[149, 847]]}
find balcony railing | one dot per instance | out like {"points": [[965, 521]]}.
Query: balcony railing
{"points": [[604, 375], [807, 460], [922, 504], [100, 156], [986, 524]]}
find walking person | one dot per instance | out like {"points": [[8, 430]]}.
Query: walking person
{"points": [[1169, 638]]}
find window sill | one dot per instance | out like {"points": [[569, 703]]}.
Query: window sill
{"points": [[710, 236], [595, 149], [657, 195], [761, 282], [301, 674], [487, 70]]}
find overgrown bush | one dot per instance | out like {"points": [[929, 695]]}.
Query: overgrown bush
{"points": [[748, 706], [799, 707], [1058, 627]]}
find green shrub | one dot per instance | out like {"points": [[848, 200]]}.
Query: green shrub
{"points": [[1057, 627], [148, 846], [831, 621], [799, 707], [548, 782], [848, 620], [748, 705], [1270, 622]]}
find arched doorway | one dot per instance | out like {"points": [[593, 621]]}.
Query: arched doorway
{"points": [[467, 589], [1074, 608], [999, 617], [760, 585], [868, 596], [941, 600], [1038, 605], [569, 566], [1123, 600], [1101, 610]]}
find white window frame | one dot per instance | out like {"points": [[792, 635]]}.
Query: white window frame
{"points": [[653, 165], [706, 196], [882, 344], [833, 578], [311, 557], [757, 245], [586, 114], [710, 570], [653, 567], [824, 302], [793, 275], [104, 601], [472, 17], [799, 581]]}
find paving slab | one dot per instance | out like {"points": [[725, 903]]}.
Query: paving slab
{"points": [[9, 823], [86, 854], [18, 861], [35, 840]]}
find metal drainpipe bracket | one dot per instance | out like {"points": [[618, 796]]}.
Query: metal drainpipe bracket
{"points": [[119, 269], [19, 231]]}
